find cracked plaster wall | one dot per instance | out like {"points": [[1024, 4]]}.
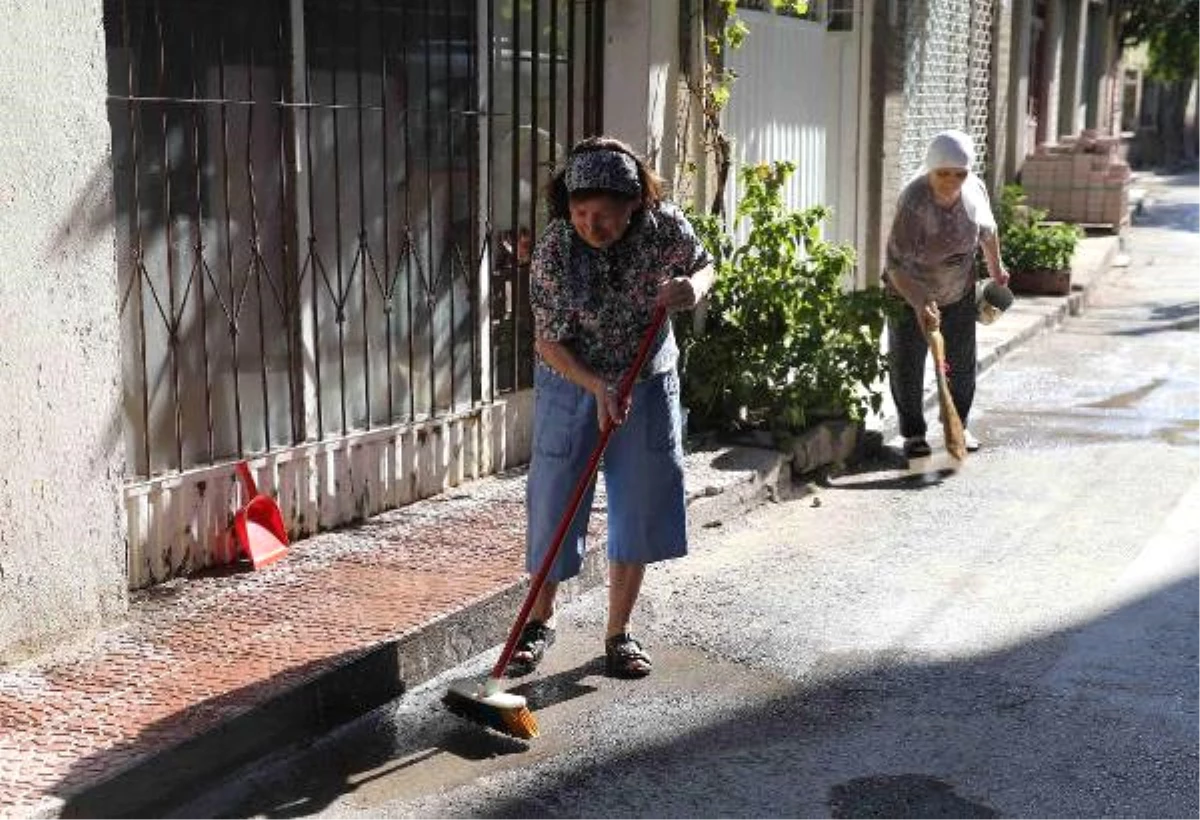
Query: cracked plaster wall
{"points": [[62, 554]]}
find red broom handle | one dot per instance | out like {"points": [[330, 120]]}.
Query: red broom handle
{"points": [[564, 525], [243, 471]]}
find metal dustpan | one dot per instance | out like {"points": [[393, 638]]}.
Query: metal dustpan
{"points": [[258, 525]]}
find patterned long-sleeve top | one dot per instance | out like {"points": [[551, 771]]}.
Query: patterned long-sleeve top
{"points": [[599, 302], [936, 245]]}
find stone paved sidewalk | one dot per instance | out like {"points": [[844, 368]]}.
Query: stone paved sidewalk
{"points": [[211, 670]]}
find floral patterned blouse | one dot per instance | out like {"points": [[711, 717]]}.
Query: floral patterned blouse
{"points": [[599, 302]]}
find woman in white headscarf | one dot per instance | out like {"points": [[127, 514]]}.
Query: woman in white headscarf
{"points": [[942, 216]]}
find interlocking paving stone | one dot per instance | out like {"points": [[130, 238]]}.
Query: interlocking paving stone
{"points": [[194, 652], [150, 682]]}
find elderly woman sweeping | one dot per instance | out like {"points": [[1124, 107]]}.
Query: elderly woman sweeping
{"points": [[612, 254], [942, 216]]}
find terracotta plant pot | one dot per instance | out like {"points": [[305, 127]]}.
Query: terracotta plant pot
{"points": [[1040, 282]]}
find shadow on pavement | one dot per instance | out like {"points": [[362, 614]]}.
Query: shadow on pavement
{"points": [[1180, 216], [335, 769], [1184, 316], [773, 758], [892, 471], [186, 751], [1024, 732], [905, 795]]}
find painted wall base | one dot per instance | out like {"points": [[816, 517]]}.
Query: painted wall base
{"points": [[180, 524]]}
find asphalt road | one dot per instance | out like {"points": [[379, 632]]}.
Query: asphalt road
{"points": [[1017, 638]]}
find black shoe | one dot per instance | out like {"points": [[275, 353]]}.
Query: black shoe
{"points": [[531, 647], [917, 447]]}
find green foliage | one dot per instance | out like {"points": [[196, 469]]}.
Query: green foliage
{"points": [[785, 343], [1026, 242], [1171, 30]]}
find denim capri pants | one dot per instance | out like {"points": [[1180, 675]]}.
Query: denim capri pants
{"points": [[643, 474]]}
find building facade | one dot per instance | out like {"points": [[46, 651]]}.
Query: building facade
{"points": [[62, 555], [297, 232]]}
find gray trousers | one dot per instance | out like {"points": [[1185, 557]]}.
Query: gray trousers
{"points": [[907, 351]]}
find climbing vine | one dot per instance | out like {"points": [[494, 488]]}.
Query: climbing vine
{"points": [[723, 31]]}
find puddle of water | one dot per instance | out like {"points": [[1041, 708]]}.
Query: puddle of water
{"points": [[904, 795]]}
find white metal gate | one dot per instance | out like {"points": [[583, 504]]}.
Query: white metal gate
{"points": [[797, 98]]}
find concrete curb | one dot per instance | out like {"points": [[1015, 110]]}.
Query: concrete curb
{"points": [[722, 482]]}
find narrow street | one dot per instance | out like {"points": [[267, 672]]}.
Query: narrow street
{"points": [[1017, 638]]}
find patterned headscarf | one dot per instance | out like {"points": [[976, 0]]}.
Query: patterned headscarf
{"points": [[605, 170]]}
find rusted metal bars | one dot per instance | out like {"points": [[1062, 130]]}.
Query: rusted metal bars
{"points": [[452, 226], [476, 238], [200, 270], [362, 257], [137, 259], [409, 248], [289, 248], [489, 113], [169, 313], [430, 277], [387, 282]]}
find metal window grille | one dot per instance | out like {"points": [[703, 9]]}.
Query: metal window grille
{"points": [[837, 15], [816, 10], [948, 47], [841, 15], [324, 207]]}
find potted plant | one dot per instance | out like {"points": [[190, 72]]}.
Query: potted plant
{"points": [[1038, 253], [787, 343]]}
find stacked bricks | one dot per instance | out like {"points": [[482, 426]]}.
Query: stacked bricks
{"points": [[1080, 180]]}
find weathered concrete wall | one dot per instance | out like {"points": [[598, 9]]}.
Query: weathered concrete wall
{"points": [[641, 56], [886, 123], [62, 566], [1002, 88], [1017, 133]]}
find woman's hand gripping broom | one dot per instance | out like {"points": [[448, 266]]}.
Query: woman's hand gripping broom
{"points": [[484, 702]]}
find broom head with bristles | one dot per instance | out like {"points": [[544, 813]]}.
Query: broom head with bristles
{"points": [[952, 426], [488, 705]]}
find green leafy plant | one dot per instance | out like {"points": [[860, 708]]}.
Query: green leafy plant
{"points": [[1026, 241], [785, 342]]}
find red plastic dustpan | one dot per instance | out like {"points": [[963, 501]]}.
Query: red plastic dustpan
{"points": [[258, 525]]}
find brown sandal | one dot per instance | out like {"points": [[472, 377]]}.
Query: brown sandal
{"points": [[625, 658]]}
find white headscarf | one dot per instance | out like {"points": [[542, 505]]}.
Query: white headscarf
{"points": [[954, 149]]}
